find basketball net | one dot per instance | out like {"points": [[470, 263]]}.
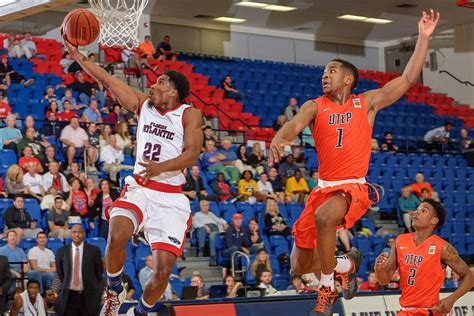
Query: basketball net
{"points": [[118, 21]]}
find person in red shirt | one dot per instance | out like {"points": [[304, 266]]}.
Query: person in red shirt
{"points": [[420, 184], [420, 258], [371, 284], [27, 158], [341, 124], [67, 114]]}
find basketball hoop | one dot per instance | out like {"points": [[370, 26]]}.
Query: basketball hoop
{"points": [[119, 20]]}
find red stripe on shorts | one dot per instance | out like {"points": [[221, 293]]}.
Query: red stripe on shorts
{"points": [[173, 249]]}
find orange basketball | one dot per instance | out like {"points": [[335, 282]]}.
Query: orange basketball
{"points": [[81, 27]]}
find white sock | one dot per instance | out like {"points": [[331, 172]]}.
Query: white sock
{"points": [[327, 280], [343, 265]]}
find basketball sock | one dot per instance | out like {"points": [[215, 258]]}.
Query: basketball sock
{"points": [[142, 308], [114, 281], [343, 265], [327, 280]]}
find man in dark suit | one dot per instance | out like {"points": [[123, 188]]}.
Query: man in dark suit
{"points": [[5, 282], [80, 270]]}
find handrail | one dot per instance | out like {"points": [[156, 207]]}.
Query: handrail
{"points": [[244, 268], [466, 82]]}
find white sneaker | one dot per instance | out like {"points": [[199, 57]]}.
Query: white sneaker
{"points": [[112, 303], [131, 312]]}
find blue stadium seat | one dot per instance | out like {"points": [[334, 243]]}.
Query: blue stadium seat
{"points": [[99, 242], [362, 243]]}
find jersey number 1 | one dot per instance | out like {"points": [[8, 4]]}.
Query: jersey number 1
{"points": [[340, 135], [152, 151]]}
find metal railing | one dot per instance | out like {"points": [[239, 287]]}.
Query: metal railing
{"points": [[465, 82], [244, 267]]}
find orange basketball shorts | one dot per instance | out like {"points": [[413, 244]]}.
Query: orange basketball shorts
{"points": [[304, 229], [418, 312]]}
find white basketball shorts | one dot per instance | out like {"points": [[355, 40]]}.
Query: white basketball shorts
{"points": [[161, 210]]}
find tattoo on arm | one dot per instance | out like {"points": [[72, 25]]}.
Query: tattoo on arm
{"points": [[452, 259]]}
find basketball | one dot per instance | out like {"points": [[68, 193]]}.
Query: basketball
{"points": [[80, 27]]}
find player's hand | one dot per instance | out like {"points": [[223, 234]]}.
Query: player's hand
{"points": [[70, 48], [381, 259], [276, 150], [444, 306], [151, 169], [428, 23]]}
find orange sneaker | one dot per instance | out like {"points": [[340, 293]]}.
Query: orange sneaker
{"points": [[349, 278]]}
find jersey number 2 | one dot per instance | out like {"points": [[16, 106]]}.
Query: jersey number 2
{"points": [[152, 151], [340, 135], [411, 277]]}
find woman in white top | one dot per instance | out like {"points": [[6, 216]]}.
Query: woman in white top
{"points": [[105, 135], [265, 189], [124, 140]]}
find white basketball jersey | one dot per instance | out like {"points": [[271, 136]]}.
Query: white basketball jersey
{"points": [[160, 137]]}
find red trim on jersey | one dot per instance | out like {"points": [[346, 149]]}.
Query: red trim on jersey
{"points": [[169, 110], [173, 249], [158, 186]]}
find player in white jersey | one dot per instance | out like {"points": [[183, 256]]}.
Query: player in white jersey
{"points": [[169, 138]]}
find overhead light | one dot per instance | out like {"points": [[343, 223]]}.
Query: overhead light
{"points": [[361, 18], [377, 21], [251, 4], [6, 2], [229, 19], [281, 8]]}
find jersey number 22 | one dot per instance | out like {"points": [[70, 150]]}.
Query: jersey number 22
{"points": [[152, 151]]}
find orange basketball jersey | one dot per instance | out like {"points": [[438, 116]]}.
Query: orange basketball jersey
{"points": [[421, 271], [343, 138]]}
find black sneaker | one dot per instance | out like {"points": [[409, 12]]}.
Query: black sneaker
{"points": [[325, 302], [349, 279]]}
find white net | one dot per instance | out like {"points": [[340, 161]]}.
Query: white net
{"points": [[119, 21]]}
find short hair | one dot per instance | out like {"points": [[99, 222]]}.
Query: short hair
{"points": [[371, 271], [448, 123], [180, 82], [388, 132], [440, 211], [197, 275], [41, 233], [147, 36], [206, 127], [266, 270], [353, 69], [33, 281], [166, 36], [18, 196], [12, 231], [58, 197]]}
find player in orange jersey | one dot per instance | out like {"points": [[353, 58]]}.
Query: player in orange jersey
{"points": [[341, 125], [421, 258]]}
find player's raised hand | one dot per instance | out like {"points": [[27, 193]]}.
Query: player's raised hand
{"points": [[381, 259], [70, 48], [151, 169], [276, 149], [444, 306], [428, 23]]}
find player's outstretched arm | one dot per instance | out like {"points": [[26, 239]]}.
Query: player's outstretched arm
{"points": [[386, 265], [193, 137], [451, 257], [381, 98], [129, 98], [291, 129]]}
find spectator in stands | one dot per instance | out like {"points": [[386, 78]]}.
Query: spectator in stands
{"points": [[408, 203], [114, 116], [77, 199], [8, 75], [261, 264], [236, 237], [147, 50], [67, 114], [242, 163], [17, 218], [29, 141], [221, 188], [297, 187], [42, 262], [247, 187], [128, 286], [229, 152], [297, 284], [230, 91], [467, 147], [49, 96], [194, 187], [50, 156], [124, 140], [58, 220], [207, 224], [66, 61], [255, 237], [292, 109], [343, 241], [388, 144], [313, 179], [52, 108], [5, 283], [164, 50], [208, 134], [265, 189], [145, 272], [275, 180], [10, 135], [54, 178], [15, 254], [28, 46], [88, 91], [11, 44], [33, 182], [214, 161], [14, 181], [287, 168], [91, 191], [94, 140], [266, 283], [257, 158], [92, 113], [105, 134], [274, 222], [48, 200], [29, 301], [75, 172], [202, 294], [281, 120], [424, 194], [371, 284], [75, 141], [389, 245], [28, 158], [72, 101], [232, 286], [30, 123], [112, 158], [420, 184], [436, 138], [103, 200]]}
